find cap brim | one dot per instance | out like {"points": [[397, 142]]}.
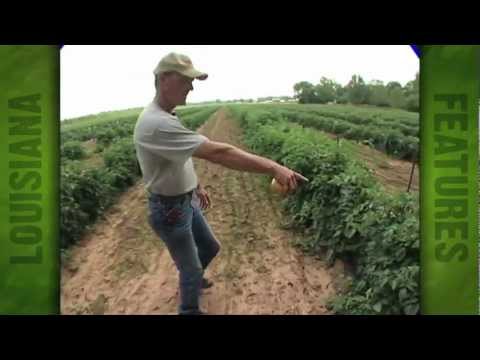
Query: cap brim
{"points": [[195, 74], [203, 76]]}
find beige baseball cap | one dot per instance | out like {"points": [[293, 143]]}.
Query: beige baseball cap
{"points": [[181, 64]]}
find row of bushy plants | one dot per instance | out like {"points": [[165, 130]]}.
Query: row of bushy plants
{"points": [[363, 115], [396, 140], [87, 193], [344, 213]]}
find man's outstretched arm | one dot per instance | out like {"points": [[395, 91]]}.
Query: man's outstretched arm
{"points": [[234, 158]]}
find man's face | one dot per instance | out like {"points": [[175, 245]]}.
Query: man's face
{"points": [[176, 88]]}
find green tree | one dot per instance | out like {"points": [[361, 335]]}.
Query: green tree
{"points": [[393, 85], [397, 98], [412, 94], [378, 93], [412, 87], [396, 95], [326, 90], [304, 92], [357, 90], [342, 94], [379, 96]]}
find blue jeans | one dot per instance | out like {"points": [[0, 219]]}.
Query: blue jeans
{"points": [[190, 242]]}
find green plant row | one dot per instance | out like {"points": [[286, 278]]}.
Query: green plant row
{"points": [[365, 115], [344, 213], [364, 118], [386, 139]]}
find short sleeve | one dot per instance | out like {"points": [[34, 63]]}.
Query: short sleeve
{"points": [[175, 143]]}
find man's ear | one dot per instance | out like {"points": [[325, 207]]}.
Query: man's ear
{"points": [[162, 77]]}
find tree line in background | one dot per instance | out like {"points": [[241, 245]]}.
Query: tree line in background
{"points": [[358, 92], [257, 100]]}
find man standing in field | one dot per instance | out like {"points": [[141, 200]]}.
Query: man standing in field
{"points": [[164, 149]]}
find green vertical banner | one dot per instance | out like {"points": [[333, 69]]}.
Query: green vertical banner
{"points": [[449, 80], [29, 173]]}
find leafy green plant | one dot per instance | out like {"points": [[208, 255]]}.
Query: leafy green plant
{"points": [[72, 150], [345, 214], [194, 120], [391, 131]]}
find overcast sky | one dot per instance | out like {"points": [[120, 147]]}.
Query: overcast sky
{"points": [[97, 78]]}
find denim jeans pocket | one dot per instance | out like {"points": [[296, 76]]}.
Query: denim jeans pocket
{"points": [[166, 215]]}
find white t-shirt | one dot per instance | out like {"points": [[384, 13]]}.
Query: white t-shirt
{"points": [[164, 150]]}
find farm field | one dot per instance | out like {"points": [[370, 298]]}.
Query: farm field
{"points": [[345, 243]]}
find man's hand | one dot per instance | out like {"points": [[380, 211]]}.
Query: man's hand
{"points": [[237, 159], [203, 197], [288, 178]]}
